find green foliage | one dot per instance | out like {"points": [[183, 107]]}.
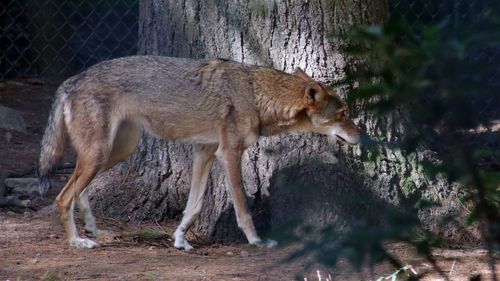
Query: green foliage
{"points": [[363, 244], [432, 83], [432, 77], [429, 74]]}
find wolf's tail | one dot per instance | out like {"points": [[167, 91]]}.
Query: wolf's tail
{"points": [[52, 146]]}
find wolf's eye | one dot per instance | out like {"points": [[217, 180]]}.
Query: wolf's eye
{"points": [[319, 120]]}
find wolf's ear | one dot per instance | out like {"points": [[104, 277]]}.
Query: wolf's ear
{"points": [[300, 73], [314, 95]]}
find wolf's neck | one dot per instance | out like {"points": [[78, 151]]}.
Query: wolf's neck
{"points": [[279, 99]]}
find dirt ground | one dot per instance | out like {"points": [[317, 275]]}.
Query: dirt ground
{"points": [[33, 247]]}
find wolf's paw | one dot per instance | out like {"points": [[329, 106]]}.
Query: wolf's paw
{"points": [[183, 244], [267, 243], [91, 232], [82, 243]]}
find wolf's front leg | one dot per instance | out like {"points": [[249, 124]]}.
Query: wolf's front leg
{"points": [[202, 163], [230, 159]]}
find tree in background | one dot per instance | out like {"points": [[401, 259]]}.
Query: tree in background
{"points": [[280, 35], [300, 176]]}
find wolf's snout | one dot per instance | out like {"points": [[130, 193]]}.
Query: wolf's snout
{"points": [[349, 136], [355, 139], [349, 139]]}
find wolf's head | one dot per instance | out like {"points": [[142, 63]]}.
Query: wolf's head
{"points": [[327, 112]]}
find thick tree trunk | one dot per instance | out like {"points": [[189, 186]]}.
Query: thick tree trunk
{"points": [[298, 175]]}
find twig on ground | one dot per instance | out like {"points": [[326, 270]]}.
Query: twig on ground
{"points": [[452, 267]]}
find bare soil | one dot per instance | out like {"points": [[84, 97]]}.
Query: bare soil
{"points": [[33, 246]]}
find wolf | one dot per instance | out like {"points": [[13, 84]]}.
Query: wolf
{"points": [[222, 107]]}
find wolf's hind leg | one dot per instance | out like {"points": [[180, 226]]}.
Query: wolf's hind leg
{"points": [[126, 137], [202, 163], [84, 205], [89, 163], [66, 207]]}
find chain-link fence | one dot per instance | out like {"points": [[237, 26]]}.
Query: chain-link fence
{"points": [[458, 13], [60, 37], [461, 15], [57, 38]]}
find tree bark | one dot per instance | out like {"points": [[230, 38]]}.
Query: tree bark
{"points": [[303, 176]]}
